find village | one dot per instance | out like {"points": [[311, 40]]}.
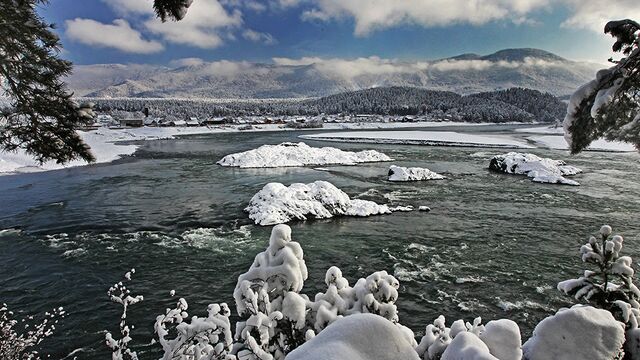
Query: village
{"points": [[123, 119]]}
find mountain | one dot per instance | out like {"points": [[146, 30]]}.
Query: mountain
{"points": [[464, 74]]}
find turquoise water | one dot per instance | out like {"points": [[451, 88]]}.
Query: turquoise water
{"points": [[493, 245]]}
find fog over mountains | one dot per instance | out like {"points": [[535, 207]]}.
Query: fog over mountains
{"points": [[316, 77]]}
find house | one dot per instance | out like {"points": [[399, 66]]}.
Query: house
{"points": [[193, 121], [131, 122], [216, 121]]}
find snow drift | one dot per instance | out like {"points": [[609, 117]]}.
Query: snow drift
{"points": [[277, 203], [542, 170], [346, 340], [398, 173], [298, 154]]}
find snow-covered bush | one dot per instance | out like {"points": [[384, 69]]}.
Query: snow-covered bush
{"points": [[610, 285], [19, 338], [120, 294], [542, 170]]}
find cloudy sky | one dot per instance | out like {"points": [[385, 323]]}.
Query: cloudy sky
{"points": [[295, 31]]}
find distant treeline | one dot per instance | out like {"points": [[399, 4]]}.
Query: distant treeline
{"points": [[512, 105]]}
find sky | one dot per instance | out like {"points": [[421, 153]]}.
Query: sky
{"points": [[303, 31]]}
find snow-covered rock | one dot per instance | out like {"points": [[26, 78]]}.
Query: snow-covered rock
{"points": [[399, 173], [502, 337], [299, 154], [542, 170], [467, 346], [347, 339], [277, 203], [582, 332]]}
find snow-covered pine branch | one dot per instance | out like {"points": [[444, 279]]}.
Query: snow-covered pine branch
{"points": [[19, 339], [609, 105], [120, 294]]}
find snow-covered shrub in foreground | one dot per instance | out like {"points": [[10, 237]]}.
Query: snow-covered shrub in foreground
{"points": [[299, 154], [120, 294], [398, 173], [277, 203], [276, 319], [542, 170], [21, 343]]}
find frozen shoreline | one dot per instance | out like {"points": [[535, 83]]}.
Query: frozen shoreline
{"points": [[433, 138], [106, 143]]}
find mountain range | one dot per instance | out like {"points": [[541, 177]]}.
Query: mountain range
{"points": [[314, 77]]}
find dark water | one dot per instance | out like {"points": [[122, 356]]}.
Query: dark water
{"points": [[493, 245]]}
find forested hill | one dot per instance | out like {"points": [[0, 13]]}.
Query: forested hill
{"points": [[513, 105], [517, 104]]}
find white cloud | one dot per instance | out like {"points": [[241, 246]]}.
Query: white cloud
{"points": [[350, 69], [201, 26], [119, 35], [259, 37], [594, 14], [192, 61], [126, 7], [371, 15]]}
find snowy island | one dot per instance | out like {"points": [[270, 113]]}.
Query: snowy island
{"points": [[277, 203], [399, 173], [299, 154], [542, 170]]}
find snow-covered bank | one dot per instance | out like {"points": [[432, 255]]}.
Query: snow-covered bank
{"points": [[277, 203], [445, 138], [105, 147], [299, 154], [559, 143], [398, 173], [542, 170]]}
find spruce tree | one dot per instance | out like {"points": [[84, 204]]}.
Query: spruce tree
{"points": [[609, 106], [41, 119], [171, 9]]}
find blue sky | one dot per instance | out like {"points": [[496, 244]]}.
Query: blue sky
{"points": [[125, 31]]}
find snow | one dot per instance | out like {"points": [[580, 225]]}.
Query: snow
{"points": [[503, 339], [467, 346], [444, 138], [542, 130], [105, 147], [299, 154], [559, 143], [582, 332], [345, 340], [398, 173], [277, 203], [542, 170]]}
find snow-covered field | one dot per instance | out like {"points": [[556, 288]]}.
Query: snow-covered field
{"points": [[559, 143], [299, 154], [553, 138], [447, 138]]}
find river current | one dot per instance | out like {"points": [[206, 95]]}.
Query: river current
{"points": [[494, 245]]}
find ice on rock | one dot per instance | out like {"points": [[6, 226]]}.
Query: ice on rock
{"points": [[398, 173], [582, 332], [542, 170], [299, 154], [277, 203], [467, 346], [346, 340]]}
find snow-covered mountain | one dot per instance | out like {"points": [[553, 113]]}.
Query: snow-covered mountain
{"points": [[311, 77]]}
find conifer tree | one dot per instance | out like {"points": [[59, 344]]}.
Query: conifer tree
{"points": [[609, 106], [171, 9], [41, 118]]}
